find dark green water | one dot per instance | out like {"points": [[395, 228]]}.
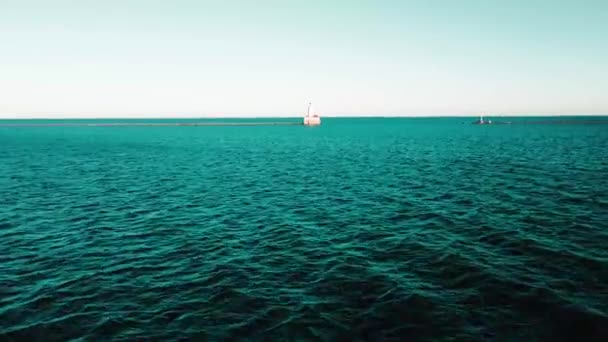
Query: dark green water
{"points": [[368, 229]]}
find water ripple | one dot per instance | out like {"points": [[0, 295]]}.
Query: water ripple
{"points": [[388, 230]]}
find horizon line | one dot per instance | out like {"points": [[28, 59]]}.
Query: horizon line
{"points": [[164, 117]]}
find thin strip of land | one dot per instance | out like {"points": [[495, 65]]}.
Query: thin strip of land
{"points": [[547, 122], [132, 124]]}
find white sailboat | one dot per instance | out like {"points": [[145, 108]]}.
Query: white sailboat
{"points": [[311, 119]]}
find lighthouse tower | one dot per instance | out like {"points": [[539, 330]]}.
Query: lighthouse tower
{"points": [[311, 119]]}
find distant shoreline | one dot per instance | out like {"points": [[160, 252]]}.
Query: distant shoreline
{"points": [[215, 118], [191, 122], [143, 124]]}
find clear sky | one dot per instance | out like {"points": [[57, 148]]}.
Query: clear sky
{"points": [[150, 58]]}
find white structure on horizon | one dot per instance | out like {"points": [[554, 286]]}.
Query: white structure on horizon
{"points": [[481, 121], [311, 119]]}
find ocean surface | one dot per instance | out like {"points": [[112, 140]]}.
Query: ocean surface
{"points": [[357, 230]]}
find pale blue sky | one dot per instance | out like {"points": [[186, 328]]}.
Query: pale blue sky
{"points": [[146, 58]]}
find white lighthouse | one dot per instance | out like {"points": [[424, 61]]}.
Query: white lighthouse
{"points": [[311, 119]]}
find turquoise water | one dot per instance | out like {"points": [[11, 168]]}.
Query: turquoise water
{"points": [[369, 229]]}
